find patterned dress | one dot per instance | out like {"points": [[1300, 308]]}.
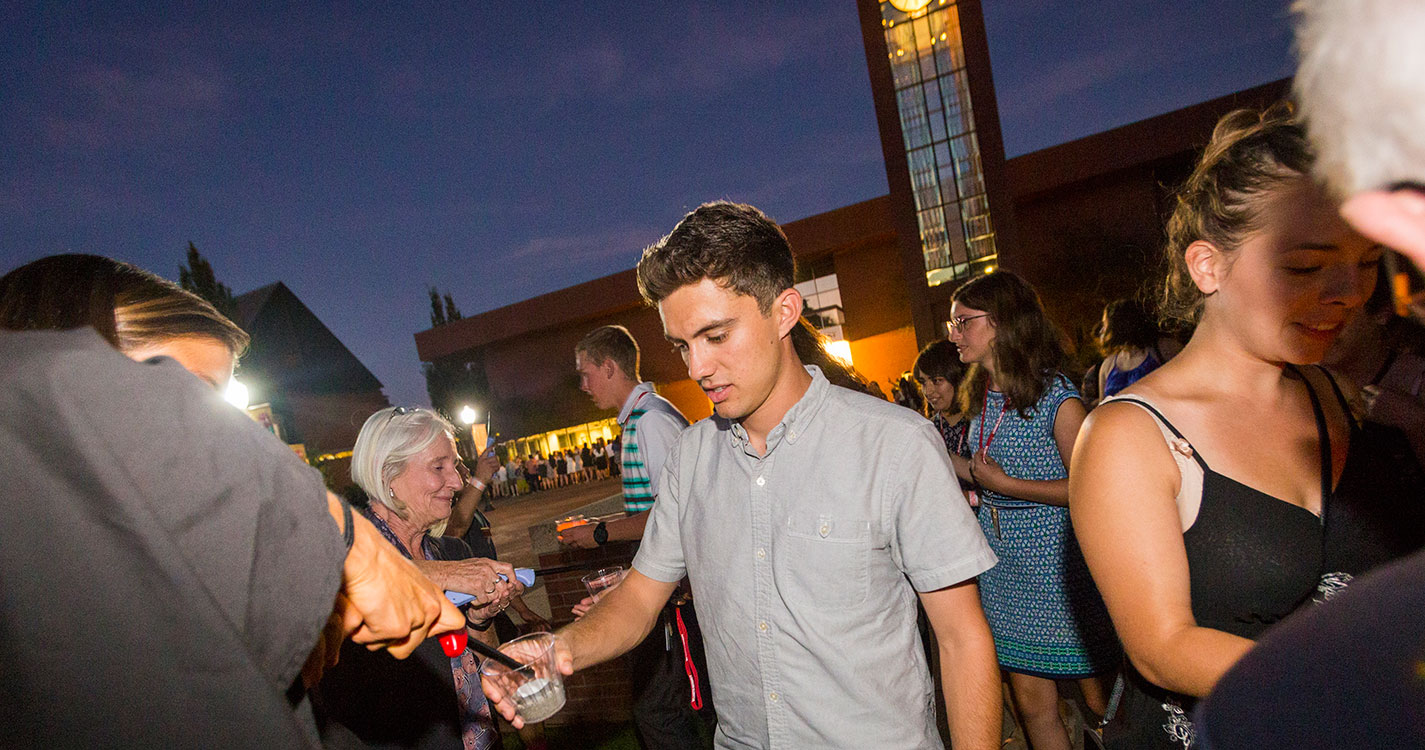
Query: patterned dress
{"points": [[477, 725], [954, 435], [1043, 609]]}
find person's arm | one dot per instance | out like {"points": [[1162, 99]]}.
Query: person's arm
{"points": [[969, 673], [628, 528], [1122, 488], [618, 622], [478, 576], [988, 474], [465, 503], [962, 468], [531, 618], [384, 601]]}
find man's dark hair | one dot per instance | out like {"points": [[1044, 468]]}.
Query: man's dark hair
{"points": [[733, 244], [611, 343]]}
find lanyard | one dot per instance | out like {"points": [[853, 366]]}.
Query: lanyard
{"points": [[691, 669], [985, 443]]}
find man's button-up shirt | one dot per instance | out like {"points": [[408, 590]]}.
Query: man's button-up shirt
{"points": [[805, 562]]}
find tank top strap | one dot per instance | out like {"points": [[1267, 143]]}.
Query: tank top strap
{"points": [[1340, 396], [1153, 410], [1323, 436]]}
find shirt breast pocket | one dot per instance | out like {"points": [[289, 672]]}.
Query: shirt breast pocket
{"points": [[828, 557]]}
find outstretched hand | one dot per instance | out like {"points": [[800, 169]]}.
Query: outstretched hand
{"points": [[500, 690], [384, 601]]}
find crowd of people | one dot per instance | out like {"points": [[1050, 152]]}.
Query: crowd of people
{"points": [[1216, 543], [533, 472]]}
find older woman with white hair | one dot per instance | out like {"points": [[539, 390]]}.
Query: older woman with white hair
{"points": [[405, 461]]}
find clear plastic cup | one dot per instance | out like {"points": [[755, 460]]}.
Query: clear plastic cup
{"points": [[603, 579], [537, 686]]}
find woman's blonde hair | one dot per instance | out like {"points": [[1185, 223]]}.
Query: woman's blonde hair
{"points": [[1251, 153]]}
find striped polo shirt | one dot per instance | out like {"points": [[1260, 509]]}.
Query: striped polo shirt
{"points": [[650, 425]]}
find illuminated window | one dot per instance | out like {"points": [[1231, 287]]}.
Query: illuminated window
{"points": [[927, 58], [821, 297]]}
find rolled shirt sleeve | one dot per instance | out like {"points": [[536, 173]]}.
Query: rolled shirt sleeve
{"points": [[936, 540], [660, 554]]}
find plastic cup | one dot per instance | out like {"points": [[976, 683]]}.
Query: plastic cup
{"points": [[537, 686], [602, 580]]}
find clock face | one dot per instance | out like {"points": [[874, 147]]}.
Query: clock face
{"points": [[909, 6]]}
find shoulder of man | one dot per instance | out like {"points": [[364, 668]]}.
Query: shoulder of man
{"points": [[870, 412]]}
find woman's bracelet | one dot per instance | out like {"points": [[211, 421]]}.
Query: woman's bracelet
{"points": [[482, 627]]}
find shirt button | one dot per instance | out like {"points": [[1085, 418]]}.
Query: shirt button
{"points": [[761, 554], [761, 481], [773, 696], [762, 626], [825, 529]]}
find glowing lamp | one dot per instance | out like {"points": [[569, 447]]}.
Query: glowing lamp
{"points": [[840, 350], [236, 394]]}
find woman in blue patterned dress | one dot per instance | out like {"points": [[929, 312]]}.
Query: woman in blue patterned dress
{"points": [[1046, 616]]}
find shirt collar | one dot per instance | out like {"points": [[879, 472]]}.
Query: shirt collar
{"points": [[633, 396], [796, 419]]}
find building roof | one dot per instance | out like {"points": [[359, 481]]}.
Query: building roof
{"points": [[1143, 142], [843, 228], [293, 350]]}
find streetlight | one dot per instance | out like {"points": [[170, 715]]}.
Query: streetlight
{"points": [[467, 414]]}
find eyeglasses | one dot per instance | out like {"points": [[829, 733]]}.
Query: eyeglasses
{"points": [[958, 324]]}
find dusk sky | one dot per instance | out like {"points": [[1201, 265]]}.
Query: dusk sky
{"points": [[360, 155]]}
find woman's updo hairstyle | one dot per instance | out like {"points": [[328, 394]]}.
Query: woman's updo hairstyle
{"points": [[1250, 154]]}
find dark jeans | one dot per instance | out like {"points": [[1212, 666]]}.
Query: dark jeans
{"points": [[663, 716]]}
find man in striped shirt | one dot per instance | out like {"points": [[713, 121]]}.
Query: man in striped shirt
{"points": [[607, 361]]}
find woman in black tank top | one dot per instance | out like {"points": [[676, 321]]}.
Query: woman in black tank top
{"points": [[1199, 507]]}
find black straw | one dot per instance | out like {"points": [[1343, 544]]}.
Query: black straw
{"points": [[494, 653]]}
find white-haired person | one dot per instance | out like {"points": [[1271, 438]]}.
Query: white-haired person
{"points": [[161, 550], [406, 463], [1348, 673], [1361, 87]]}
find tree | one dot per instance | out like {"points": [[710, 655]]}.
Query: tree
{"points": [[452, 313], [442, 308], [437, 312], [198, 278], [451, 381]]}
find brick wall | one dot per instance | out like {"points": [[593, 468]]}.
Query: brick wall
{"points": [[600, 693]]}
